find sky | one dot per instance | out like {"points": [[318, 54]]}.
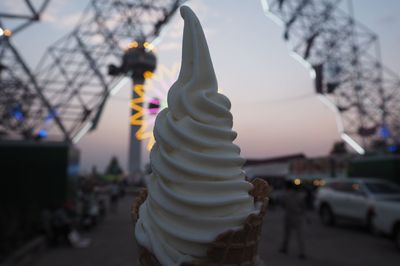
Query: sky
{"points": [[275, 109]]}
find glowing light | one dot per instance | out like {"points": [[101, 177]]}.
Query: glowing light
{"points": [[42, 133], [155, 101], [384, 131], [154, 106], [137, 118], [148, 46], [392, 148], [52, 114], [18, 115], [352, 143], [7, 32], [150, 101], [1, 32], [153, 110], [136, 104], [147, 74], [143, 133], [133, 44], [317, 182], [297, 182]]}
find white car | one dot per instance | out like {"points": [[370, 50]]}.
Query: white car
{"points": [[387, 218], [371, 202]]}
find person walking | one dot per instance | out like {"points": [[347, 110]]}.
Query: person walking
{"points": [[294, 218], [114, 194]]}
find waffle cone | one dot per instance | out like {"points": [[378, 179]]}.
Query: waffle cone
{"points": [[231, 248]]}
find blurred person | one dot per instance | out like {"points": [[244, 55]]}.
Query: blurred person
{"points": [[46, 218], [309, 198], [90, 210], [121, 186], [293, 202], [61, 225], [64, 227], [114, 194]]}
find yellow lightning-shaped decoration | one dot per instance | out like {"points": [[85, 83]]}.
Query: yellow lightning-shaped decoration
{"points": [[136, 104], [137, 118], [160, 82]]}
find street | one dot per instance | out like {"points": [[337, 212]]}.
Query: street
{"points": [[114, 245], [345, 244]]}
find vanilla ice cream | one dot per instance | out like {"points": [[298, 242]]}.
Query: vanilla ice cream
{"points": [[197, 189]]}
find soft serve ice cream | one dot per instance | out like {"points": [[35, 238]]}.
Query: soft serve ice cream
{"points": [[197, 189]]}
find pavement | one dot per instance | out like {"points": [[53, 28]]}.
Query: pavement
{"points": [[343, 245], [113, 245]]}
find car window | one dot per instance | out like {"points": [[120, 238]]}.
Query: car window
{"points": [[332, 185], [348, 187], [382, 188]]}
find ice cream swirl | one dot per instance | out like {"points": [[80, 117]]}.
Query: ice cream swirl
{"points": [[197, 189]]}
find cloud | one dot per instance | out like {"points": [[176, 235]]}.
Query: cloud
{"points": [[169, 46], [19, 8], [15, 7], [57, 16], [61, 21], [388, 19]]}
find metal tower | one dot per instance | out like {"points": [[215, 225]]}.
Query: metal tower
{"points": [[344, 58], [74, 71], [64, 98], [139, 63]]}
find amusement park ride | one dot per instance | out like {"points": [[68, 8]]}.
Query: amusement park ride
{"points": [[64, 97], [344, 59], [43, 112]]}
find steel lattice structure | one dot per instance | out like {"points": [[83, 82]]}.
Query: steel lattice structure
{"points": [[22, 18], [74, 69], [72, 77], [20, 96], [344, 56]]}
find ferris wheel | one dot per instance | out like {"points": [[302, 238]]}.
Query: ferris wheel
{"points": [[155, 100], [152, 99]]}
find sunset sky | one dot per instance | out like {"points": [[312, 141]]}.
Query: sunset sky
{"points": [[275, 109]]}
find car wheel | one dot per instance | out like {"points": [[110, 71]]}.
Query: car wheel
{"points": [[326, 215], [397, 237], [370, 224]]}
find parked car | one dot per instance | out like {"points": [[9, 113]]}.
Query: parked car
{"points": [[387, 218], [371, 202]]}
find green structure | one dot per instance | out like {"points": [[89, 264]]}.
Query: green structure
{"points": [[34, 176], [376, 166]]}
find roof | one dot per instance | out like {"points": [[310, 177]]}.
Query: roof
{"points": [[285, 158], [277, 169]]}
